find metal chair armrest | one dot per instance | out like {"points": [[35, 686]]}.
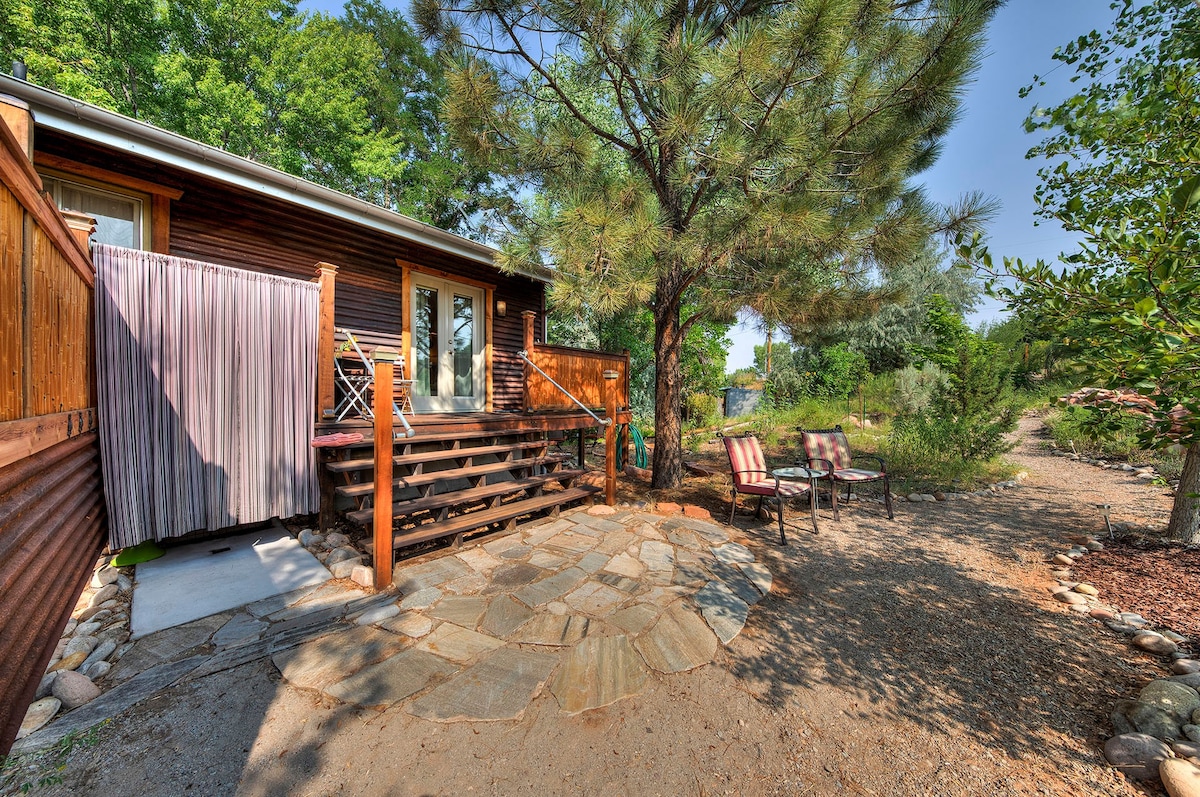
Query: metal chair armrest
{"points": [[879, 459], [828, 466]]}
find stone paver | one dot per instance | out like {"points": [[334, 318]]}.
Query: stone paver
{"points": [[724, 612], [758, 575], [732, 553], [679, 641], [636, 618], [504, 616], [430, 574], [497, 688], [549, 588], [410, 624], [657, 555], [328, 659], [241, 628], [391, 680], [457, 643], [598, 671], [625, 565], [557, 630], [596, 599], [460, 610], [421, 599]]}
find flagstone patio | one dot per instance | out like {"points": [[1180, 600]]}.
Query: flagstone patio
{"points": [[585, 605]]}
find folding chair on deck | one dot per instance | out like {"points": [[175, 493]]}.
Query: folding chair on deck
{"points": [[356, 376]]}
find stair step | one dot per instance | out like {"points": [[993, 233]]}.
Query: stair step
{"points": [[367, 488], [446, 437], [475, 520], [348, 465], [473, 495]]}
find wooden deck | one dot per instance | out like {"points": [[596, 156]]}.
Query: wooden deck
{"points": [[460, 474]]}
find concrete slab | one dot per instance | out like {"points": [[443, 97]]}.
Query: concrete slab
{"points": [[191, 581]]}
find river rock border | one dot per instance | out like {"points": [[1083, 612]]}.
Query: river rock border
{"points": [[1146, 473], [1157, 735], [94, 639]]}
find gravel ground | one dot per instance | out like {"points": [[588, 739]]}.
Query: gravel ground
{"points": [[916, 657]]}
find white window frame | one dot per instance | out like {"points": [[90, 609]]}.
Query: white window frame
{"points": [[55, 179]]}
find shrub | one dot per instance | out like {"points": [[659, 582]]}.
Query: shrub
{"points": [[1091, 431], [700, 409], [915, 388]]}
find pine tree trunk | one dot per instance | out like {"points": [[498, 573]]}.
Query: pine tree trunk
{"points": [[668, 416], [1185, 515]]}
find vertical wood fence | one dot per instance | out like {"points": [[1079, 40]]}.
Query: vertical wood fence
{"points": [[52, 515]]}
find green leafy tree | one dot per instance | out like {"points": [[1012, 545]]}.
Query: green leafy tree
{"points": [[710, 155], [1125, 175], [971, 411], [889, 337], [349, 102]]}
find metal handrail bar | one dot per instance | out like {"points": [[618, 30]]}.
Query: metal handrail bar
{"points": [[524, 355]]}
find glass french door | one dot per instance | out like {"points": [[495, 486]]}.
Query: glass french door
{"points": [[447, 342]]}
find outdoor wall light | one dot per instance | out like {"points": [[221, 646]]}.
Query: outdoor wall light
{"points": [[610, 374], [501, 308]]}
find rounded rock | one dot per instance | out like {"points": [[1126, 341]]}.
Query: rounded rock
{"points": [[107, 592], [1094, 545], [38, 714], [1185, 666], [1154, 643], [1063, 559], [1171, 696], [74, 689], [1137, 755], [1180, 778], [96, 670], [67, 663], [1192, 732], [1067, 596], [1086, 589]]}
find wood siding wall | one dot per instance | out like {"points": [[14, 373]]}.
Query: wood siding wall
{"points": [[52, 516], [219, 224]]}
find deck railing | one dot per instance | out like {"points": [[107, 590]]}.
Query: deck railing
{"points": [[579, 371]]}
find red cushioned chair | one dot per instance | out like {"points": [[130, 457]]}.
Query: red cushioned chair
{"points": [[751, 477], [830, 446]]}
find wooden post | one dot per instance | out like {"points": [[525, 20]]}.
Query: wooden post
{"points": [[82, 226], [327, 278], [610, 437], [527, 318], [384, 358], [15, 113]]}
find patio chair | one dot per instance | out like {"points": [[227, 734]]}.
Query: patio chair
{"points": [[831, 446], [748, 470]]}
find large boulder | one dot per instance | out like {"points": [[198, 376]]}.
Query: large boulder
{"points": [[74, 689], [1180, 778], [1137, 755], [1134, 716], [1179, 699]]}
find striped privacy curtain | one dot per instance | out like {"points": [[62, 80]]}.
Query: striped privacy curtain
{"points": [[206, 388]]}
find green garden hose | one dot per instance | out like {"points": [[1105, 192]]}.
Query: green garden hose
{"points": [[639, 447]]}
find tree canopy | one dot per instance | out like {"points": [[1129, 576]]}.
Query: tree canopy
{"points": [[1124, 172], [709, 155], [349, 102]]}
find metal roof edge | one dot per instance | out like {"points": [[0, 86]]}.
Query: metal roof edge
{"points": [[92, 123]]}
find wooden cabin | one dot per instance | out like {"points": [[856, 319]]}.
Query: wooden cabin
{"points": [[483, 417]]}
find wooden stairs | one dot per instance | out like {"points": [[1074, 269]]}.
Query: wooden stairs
{"points": [[457, 483]]}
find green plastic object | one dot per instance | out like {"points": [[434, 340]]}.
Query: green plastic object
{"points": [[142, 552], [639, 447]]}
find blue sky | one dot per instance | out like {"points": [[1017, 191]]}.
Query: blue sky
{"points": [[986, 150]]}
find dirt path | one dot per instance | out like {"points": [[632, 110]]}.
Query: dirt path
{"points": [[916, 657]]}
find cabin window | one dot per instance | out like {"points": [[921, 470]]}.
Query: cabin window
{"points": [[120, 217]]}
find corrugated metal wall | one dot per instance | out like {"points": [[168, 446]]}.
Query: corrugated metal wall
{"points": [[52, 517]]}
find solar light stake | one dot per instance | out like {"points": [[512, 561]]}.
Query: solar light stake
{"points": [[1105, 509]]}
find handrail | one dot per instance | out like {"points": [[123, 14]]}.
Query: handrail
{"points": [[524, 355]]}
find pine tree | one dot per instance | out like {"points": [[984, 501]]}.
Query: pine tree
{"points": [[710, 155]]}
